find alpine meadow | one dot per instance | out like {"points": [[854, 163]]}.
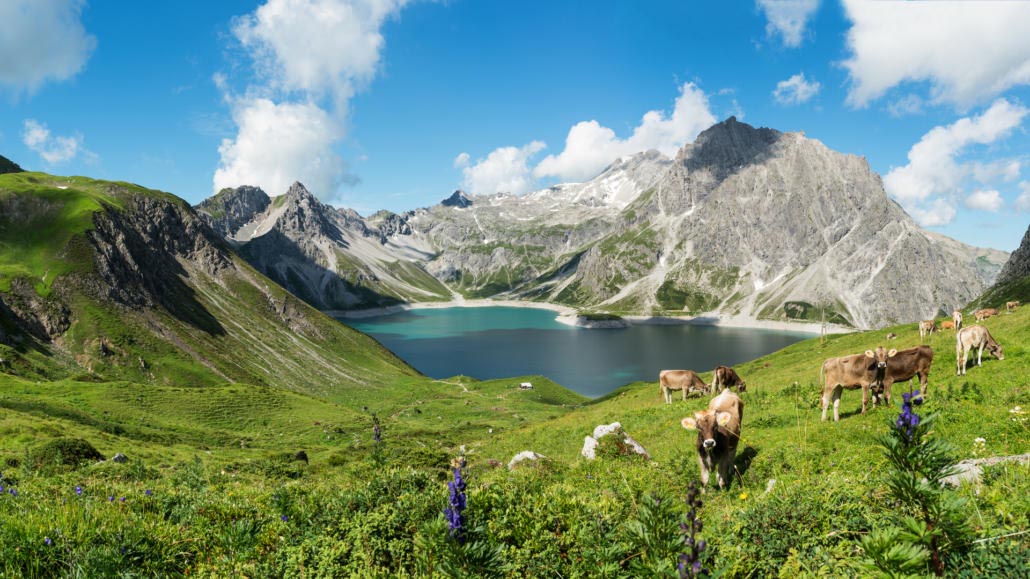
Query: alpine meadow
{"points": [[202, 205]]}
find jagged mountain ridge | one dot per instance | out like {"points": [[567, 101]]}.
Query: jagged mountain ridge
{"points": [[744, 221], [111, 281]]}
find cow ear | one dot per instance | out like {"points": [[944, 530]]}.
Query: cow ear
{"points": [[892, 352], [689, 423], [869, 354], [723, 418]]}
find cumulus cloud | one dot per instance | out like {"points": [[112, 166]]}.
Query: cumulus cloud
{"points": [[910, 104], [590, 146], [52, 149], [42, 40], [788, 18], [461, 161], [985, 200], [279, 143], [795, 90], [311, 57], [504, 170], [969, 52], [1023, 201], [934, 173]]}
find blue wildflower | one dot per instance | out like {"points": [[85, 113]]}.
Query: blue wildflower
{"points": [[284, 518], [78, 490], [47, 540], [458, 502], [907, 421], [14, 492], [148, 493], [690, 561], [123, 499], [110, 499]]}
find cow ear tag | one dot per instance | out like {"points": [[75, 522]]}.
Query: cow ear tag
{"points": [[892, 352], [689, 423], [869, 354], [723, 418]]}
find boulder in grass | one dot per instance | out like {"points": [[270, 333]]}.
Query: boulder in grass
{"points": [[621, 443], [524, 456]]}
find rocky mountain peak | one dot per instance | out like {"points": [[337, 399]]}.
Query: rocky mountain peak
{"points": [[457, 199], [9, 166], [232, 208], [727, 145], [1018, 265]]}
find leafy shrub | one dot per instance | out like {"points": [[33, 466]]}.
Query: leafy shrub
{"points": [[64, 452]]}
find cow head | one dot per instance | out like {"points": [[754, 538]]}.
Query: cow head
{"points": [[707, 424], [996, 350], [880, 356], [742, 387]]}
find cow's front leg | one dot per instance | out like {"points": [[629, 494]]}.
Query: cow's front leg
{"points": [[704, 472], [865, 397]]}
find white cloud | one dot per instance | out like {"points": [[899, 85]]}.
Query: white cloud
{"points": [[968, 51], [504, 170], [939, 212], [42, 40], [795, 90], [52, 149], [788, 18], [1023, 201], [279, 143], [461, 161], [934, 170], [590, 147], [311, 57], [316, 46], [910, 104], [985, 200]]}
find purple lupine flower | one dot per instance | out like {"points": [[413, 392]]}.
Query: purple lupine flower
{"points": [[458, 503], [690, 561], [907, 421]]}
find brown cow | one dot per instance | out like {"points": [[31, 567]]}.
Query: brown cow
{"points": [[947, 325], [927, 327], [892, 336], [726, 377], [685, 380], [985, 313], [956, 316], [857, 371], [718, 431], [902, 367], [1009, 306], [974, 337]]}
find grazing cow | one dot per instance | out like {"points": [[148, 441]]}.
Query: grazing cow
{"points": [[956, 316], [892, 336], [685, 380], [718, 431], [726, 377], [1009, 306], [947, 325], [985, 313], [927, 327], [974, 337], [902, 367], [857, 371]]}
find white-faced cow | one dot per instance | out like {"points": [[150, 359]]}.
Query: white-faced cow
{"points": [[902, 367], [927, 327], [857, 371], [685, 380], [718, 431], [985, 313], [974, 337], [726, 377], [956, 316], [1009, 306]]}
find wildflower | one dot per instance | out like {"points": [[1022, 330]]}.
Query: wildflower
{"points": [[14, 492], [908, 420], [148, 493], [78, 490], [284, 518], [455, 519], [690, 561], [377, 432], [1, 488], [47, 540], [110, 499], [743, 496], [123, 499]]}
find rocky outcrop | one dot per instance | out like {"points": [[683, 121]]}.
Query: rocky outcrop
{"points": [[231, 209], [1018, 265], [9, 166], [457, 199], [622, 443]]}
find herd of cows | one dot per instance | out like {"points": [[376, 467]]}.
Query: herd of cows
{"points": [[874, 371]]}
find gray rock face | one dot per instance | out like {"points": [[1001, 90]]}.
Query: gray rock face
{"points": [[1018, 265], [230, 209], [457, 199], [9, 166]]}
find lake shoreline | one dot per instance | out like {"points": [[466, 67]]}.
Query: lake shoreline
{"points": [[569, 316]]}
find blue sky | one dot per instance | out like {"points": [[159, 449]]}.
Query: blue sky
{"points": [[393, 103]]}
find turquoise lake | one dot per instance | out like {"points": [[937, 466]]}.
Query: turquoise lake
{"points": [[500, 342]]}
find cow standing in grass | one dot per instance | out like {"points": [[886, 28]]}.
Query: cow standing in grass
{"points": [[926, 327], [685, 380], [956, 316], [902, 367], [974, 337], [1010, 306], [718, 432], [985, 313], [857, 371], [726, 377]]}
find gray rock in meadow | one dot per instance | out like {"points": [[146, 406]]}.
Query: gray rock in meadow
{"points": [[120, 458], [525, 455], [590, 443]]}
